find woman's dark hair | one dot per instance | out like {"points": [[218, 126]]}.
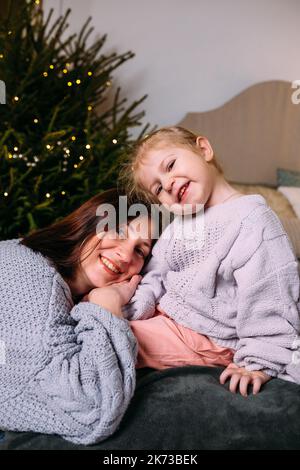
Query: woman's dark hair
{"points": [[63, 241]]}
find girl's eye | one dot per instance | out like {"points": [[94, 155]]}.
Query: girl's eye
{"points": [[170, 165], [140, 252], [158, 190]]}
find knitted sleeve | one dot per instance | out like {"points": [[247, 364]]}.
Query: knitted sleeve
{"points": [[268, 321], [90, 379], [151, 288]]}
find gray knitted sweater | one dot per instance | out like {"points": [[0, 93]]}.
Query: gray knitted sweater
{"points": [[64, 369]]}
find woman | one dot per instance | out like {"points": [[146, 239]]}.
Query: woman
{"points": [[67, 366]]}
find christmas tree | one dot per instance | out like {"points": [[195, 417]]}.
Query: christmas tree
{"points": [[61, 141]]}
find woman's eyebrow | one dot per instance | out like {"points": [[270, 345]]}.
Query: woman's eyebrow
{"points": [[144, 242]]}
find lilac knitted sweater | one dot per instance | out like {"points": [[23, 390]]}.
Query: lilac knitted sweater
{"points": [[238, 283]]}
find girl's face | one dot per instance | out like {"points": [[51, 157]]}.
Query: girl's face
{"points": [[177, 175], [116, 257]]}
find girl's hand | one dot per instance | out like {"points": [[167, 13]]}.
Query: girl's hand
{"points": [[113, 297], [243, 377]]}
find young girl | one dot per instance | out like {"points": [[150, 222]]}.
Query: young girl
{"points": [[238, 288]]}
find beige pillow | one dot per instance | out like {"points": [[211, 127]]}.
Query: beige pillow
{"points": [[292, 228], [275, 199]]}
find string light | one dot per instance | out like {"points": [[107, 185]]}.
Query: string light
{"points": [[1, 56], [35, 121], [90, 74], [16, 149], [67, 64], [45, 74], [90, 108], [88, 146], [48, 195], [51, 66], [5, 194], [65, 71], [9, 33], [73, 137], [69, 83], [58, 142], [10, 155], [78, 81], [108, 83], [81, 157], [75, 166], [37, 2], [114, 141], [16, 98], [63, 193], [48, 147]]}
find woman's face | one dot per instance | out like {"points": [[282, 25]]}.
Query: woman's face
{"points": [[117, 256]]}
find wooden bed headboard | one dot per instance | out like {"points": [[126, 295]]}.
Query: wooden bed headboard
{"points": [[254, 133]]}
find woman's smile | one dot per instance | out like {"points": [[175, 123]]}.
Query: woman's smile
{"points": [[109, 265]]}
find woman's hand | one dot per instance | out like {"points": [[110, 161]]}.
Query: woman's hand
{"points": [[113, 297], [243, 377]]}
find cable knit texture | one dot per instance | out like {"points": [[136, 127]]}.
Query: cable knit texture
{"points": [[236, 281], [64, 369]]}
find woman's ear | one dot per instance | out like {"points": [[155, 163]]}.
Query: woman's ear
{"points": [[205, 148]]}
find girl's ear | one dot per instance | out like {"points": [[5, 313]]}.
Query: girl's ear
{"points": [[205, 148]]}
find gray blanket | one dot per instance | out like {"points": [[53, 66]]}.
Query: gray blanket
{"points": [[187, 408]]}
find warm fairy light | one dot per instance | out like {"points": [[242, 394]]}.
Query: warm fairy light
{"points": [[81, 157], [16, 98], [48, 195], [37, 2], [69, 83], [90, 74], [78, 81], [67, 64], [5, 194], [1, 56], [90, 108], [48, 146], [65, 71], [73, 137], [51, 66], [16, 149], [9, 33], [63, 193], [114, 141], [35, 121], [108, 83], [10, 155], [88, 146], [67, 151], [75, 166], [45, 74]]}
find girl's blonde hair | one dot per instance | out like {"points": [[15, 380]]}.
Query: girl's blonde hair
{"points": [[129, 174]]}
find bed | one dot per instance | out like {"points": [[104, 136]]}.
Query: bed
{"points": [[255, 134]]}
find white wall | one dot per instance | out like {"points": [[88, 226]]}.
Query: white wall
{"points": [[193, 55]]}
